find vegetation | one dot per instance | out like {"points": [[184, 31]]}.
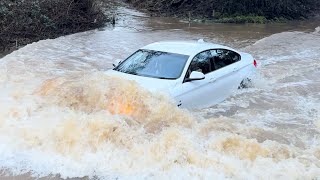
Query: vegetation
{"points": [[242, 19], [25, 21], [232, 10]]}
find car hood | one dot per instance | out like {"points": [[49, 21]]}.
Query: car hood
{"points": [[151, 84]]}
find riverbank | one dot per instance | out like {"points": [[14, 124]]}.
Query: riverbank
{"points": [[230, 11], [24, 22]]}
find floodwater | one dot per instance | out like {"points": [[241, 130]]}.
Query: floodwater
{"points": [[62, 117]]}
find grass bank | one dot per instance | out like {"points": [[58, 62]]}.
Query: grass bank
{"points": [[232, 11]]}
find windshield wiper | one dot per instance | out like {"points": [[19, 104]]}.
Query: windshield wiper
{"points": [[164, 78], [157, 77], [145, 75], [133, 73]]}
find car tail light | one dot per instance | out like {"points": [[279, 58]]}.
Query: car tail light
{"points": [[255, 63]]}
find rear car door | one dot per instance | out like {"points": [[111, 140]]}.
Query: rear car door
{"points": [[226, 79]]}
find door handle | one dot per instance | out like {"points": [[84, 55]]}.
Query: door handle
{"points": [[213, 80], [235, 69]]}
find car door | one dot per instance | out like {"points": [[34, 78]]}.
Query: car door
{"points": [[195, 93], [219, 80], [226, 77]]}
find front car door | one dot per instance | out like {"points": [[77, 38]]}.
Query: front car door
{"points": [[219, 67]]}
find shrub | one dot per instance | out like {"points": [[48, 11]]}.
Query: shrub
{"points": [[242, 19], [270, 9]]}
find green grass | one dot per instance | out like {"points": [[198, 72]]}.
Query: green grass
{"points": [[242, 19]]}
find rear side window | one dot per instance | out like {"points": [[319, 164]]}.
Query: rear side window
{"points": [[222, 57]]}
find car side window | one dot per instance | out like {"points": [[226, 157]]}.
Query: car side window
{"points": [[222, 57], [200, 63]]}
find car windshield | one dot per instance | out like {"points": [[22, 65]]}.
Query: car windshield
{"points": [[154, 64]]}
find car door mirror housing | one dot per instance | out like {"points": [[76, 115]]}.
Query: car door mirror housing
{"points": [[195, 76], [116, 62]]}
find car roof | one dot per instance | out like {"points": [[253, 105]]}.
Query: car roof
{"points": [[183, 47]]}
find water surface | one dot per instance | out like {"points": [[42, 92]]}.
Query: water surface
{"points": [[61, 116]]}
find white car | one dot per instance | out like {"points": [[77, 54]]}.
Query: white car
{"points": [[195, 74]]}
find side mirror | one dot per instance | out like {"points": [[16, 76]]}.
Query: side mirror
{"points": [[195, 76], [116, 62]]}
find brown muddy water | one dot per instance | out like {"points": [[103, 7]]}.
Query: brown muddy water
{"points": [[62, 117]]}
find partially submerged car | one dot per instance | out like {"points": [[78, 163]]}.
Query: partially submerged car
{"points": [[195, 74]]}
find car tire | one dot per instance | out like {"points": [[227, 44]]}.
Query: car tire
{"points": [[246, 83]]}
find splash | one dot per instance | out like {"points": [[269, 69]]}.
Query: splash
{"points": [[98, 92], [79, 122]]}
